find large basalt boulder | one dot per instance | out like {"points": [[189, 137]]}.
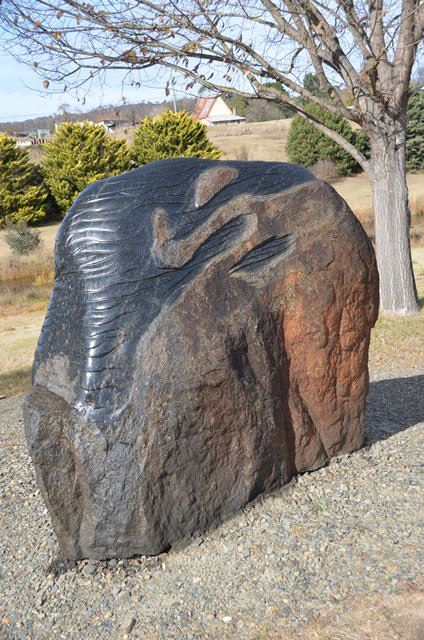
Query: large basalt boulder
{"points": [[207, 339]]}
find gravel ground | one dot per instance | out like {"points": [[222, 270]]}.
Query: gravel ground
{"points": [[347, 531]]}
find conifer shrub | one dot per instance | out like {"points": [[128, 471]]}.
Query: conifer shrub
{"points": [[21, 239], [306, 145], [415, 132], [172, 135], [79, 154], [23, 196], [362, 143]]}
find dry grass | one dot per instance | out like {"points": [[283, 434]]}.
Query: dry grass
{"points": [[19, 331], [21, 268], [19, 334], [326, 170], [256, 140], [15, 382], [400, 341], [245, 141], [13, 267], [21, 297], [356, 191]]}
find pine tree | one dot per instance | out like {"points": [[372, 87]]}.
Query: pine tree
{"points": [[312, 84], [305, 145], [172, 135], [23, 197], [415, 132], [78, 155]]}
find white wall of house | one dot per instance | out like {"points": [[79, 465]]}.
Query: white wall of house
{"points": [[24, 142], [219, 108]]}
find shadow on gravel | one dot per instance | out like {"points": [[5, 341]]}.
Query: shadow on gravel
{"points": [[393, 405]]}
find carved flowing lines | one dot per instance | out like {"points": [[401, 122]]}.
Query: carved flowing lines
{"points": [[108, 276]]}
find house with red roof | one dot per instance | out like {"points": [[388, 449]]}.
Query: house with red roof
{"points": [[212, 110]]}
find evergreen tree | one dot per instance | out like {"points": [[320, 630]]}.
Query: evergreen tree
{"points": [[256, 110], [237, 103], [415, 132], [312, 84], [284, 112], [306, 145], [23, 197], [172, 135], [22, 239], [78, 155]]}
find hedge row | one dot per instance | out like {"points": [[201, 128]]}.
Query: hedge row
{"points": [[79, 154]]}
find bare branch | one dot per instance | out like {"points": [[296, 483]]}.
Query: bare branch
{"points": [[347, 43]]}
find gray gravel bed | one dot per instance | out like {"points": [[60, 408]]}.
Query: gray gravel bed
{"points": [[349, 529]]}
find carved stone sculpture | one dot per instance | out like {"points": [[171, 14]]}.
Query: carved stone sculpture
{"points": [[207, 339]]}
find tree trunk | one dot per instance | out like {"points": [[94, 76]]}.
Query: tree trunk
{"points": [[398, 293]]}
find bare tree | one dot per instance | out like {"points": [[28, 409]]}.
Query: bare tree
{"points": [[366, 48]]}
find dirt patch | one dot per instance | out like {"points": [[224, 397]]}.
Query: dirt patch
{"points": [[395, 617]]}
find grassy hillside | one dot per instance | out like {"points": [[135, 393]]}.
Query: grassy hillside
{"points": [[252, 141]]}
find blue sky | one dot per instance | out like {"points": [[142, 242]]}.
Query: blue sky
{"points": [[20, 97]]}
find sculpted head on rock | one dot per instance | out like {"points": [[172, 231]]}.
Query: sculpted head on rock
{"points": [[207, 338]]}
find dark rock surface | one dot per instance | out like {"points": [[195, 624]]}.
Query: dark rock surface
{"points": [[207, 338]]}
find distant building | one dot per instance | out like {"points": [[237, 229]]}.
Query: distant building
{"points": [[28, 138], [212, 110], [23, 139], [114, 125], [109, 125]]}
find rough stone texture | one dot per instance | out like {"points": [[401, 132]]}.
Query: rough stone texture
{"points": [[207, 339]]}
